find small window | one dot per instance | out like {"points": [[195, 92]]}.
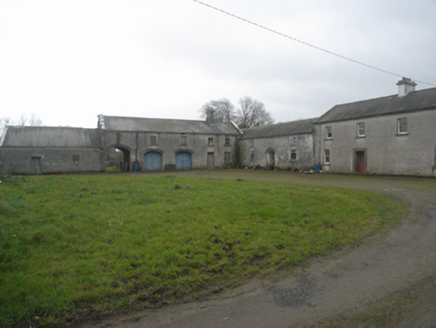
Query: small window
{"points": [[227, 157], [183, 141], [76, 158], [326, 156], [227, 142], [361, 129], [294, 140], [153, 141], [293, 154], [210, 141], [328, 132], [402, 125]]}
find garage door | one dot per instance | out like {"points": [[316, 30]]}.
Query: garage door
{"points": [[153, 161], [183, 161]]}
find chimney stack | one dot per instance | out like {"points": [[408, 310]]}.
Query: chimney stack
{"points": [[405, 86], [210, 115]]}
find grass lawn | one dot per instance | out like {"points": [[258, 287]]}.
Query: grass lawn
{"points": [[76, 245]]}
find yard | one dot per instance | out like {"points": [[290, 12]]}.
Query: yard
{"points": [[78, 246]]}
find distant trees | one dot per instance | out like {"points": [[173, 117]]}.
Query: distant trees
{"points": [[24, 120], [223, 110], [251, 113]]}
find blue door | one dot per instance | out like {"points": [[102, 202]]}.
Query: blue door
{"points": [[183, 161], [153, 161]]}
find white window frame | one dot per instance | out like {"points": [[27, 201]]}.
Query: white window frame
{"points": [[360, 126], [328, 132], [327, 156], [399, 125]]}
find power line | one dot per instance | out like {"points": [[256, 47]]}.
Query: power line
{"points": [[306, 43]]}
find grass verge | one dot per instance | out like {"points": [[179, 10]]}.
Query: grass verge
{"points": [[87, 245]]}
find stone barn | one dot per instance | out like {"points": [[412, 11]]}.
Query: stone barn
{"points": [[42, 150], [284, 146], [168, 144]]}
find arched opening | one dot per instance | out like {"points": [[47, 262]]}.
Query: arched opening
{"points": [[118, 159], [153, 161], [183, 160]]}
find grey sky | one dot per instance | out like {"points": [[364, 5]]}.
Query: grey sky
{"points": [[68, 61]]}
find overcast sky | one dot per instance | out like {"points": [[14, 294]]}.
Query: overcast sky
{"points": [[69, 60]]}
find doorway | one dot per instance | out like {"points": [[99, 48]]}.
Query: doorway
{"points": [[360, 162], [210, 161]]}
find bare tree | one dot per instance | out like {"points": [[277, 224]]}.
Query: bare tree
{"points": [[222, 109], [252, 113], [32, 120]]}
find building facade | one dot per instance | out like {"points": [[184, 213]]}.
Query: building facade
{"points": [[287, 146], [166, 144], [39, 150], [394, 135]]}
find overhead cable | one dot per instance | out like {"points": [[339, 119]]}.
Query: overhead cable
{"points": [[306, 43]]}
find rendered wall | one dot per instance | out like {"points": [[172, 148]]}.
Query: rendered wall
{"points": [[43, 160], [387, 152], [168, 144], [254, 151]]}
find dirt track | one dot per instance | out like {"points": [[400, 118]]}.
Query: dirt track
{"points": [[333, 287]]}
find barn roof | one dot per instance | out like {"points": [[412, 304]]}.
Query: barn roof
{"points": [[280, 129], [413, 101], [165, 125], [37, 136]]}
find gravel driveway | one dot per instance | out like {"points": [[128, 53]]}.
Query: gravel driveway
{"points": [[332, 289]]}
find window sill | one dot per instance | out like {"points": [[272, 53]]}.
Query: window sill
{"points": [[328, 139], [326, 164], [360, 137], [402, 134]]}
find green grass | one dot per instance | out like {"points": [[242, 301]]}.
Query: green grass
{"points": [[75, 245]]}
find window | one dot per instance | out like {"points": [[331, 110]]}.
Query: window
{"points": [[402, 125], [294, 140], [328, 132], [183, 141], [227, 158], [210, 141], [361, 129], [293, 154], [326, 156], [252, 155], [153, 141], [76, 158], [227, 142]]}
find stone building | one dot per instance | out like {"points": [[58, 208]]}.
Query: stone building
{"points": [[284, 146], [167, 144], [388, 135], [37, 150]]}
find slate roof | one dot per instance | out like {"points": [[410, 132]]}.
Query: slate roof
{"points": [[37, 136], [280, 129], [166, 125], [413, 101]]}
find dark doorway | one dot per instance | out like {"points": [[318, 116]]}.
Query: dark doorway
{"points": [[210, 161], [360, 162], [270, 159], [36, 166]]}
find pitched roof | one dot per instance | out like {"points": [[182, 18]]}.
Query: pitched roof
{"points": [[413, 101], [280, 129], [165, 125], [37, 136]]}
